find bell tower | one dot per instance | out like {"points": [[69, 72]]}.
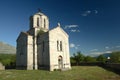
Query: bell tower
{"points": [[39, 21]]}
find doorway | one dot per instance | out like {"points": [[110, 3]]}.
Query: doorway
{"points": [[60, 62]]}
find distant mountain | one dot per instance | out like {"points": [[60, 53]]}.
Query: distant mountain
{"points": [[6, 48], [106, 54]]}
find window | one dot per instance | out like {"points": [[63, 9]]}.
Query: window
{"points": [[43, 46], [60, 45], [57, 45], [37, 21], [44, 23]]}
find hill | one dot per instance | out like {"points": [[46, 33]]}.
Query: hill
{"points": [[7, 48], [107, 54]]}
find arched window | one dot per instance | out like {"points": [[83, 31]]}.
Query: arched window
{"points": [[44, 23], [57, 45], [60, 45], [38, 21]]}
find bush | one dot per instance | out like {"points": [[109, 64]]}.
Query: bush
{"points": [[115, 57], [8, 59]]}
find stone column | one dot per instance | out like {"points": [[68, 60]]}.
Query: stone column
{"points": [[35, 65]]}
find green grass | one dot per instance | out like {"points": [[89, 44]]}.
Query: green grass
{"points": [[77, 73]]}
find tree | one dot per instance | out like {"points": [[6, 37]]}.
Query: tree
{"points": [[8, 59], [72, 60], [89, 59], [115, 57], [78, 57], [101, 58]]}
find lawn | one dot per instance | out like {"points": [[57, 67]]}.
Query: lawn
{"points": [[77, 73]]}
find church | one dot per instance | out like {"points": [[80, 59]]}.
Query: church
{"points": [[41, 48]]}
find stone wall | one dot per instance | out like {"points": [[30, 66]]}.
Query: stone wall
{"points": [[43, 51], [57, 34], [24, 51]]}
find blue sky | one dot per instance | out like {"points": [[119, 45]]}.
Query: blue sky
{"points": [[93, 25]]}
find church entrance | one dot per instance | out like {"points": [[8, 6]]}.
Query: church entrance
{"points": [[60, 62]]}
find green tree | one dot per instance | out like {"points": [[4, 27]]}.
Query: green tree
{"points": [[101, 58], [89, 59], [8, 59], [78, 57], [115, 57], [72, 60]]}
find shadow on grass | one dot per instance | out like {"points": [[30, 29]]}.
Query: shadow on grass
{"points": [[117, 71]]}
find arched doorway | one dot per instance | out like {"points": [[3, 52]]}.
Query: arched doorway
{"points": [[60, 62]]}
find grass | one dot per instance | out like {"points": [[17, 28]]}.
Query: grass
{"points": [[77, 73]]}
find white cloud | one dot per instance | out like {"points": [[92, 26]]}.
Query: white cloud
{"points": [[106, 47], [108, 52], [93, 50], [74, 30], [88, 12], [78, 45], [93, 54], [72, 45], [70, 26], [117, 46], [96, 12]]}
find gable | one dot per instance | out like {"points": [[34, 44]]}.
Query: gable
{"points": [[59, 31]]}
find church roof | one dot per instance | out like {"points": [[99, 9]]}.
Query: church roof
{"points": [[23, 33], [60, 29], [40, 13]]}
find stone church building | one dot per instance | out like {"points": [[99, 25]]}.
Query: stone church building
{"points": [[41, 48]]}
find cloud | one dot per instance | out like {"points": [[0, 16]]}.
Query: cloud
{"points": [[74, 30], [88, 12], [78, 45], [70, 26], [94, 54], [93, 50], [106, 47], [108, 52], [97, 53], [96, 12], [117, 46], [72, 45]]}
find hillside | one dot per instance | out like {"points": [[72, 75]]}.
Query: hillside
{"points": [[107, 54], [6, 48]]}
